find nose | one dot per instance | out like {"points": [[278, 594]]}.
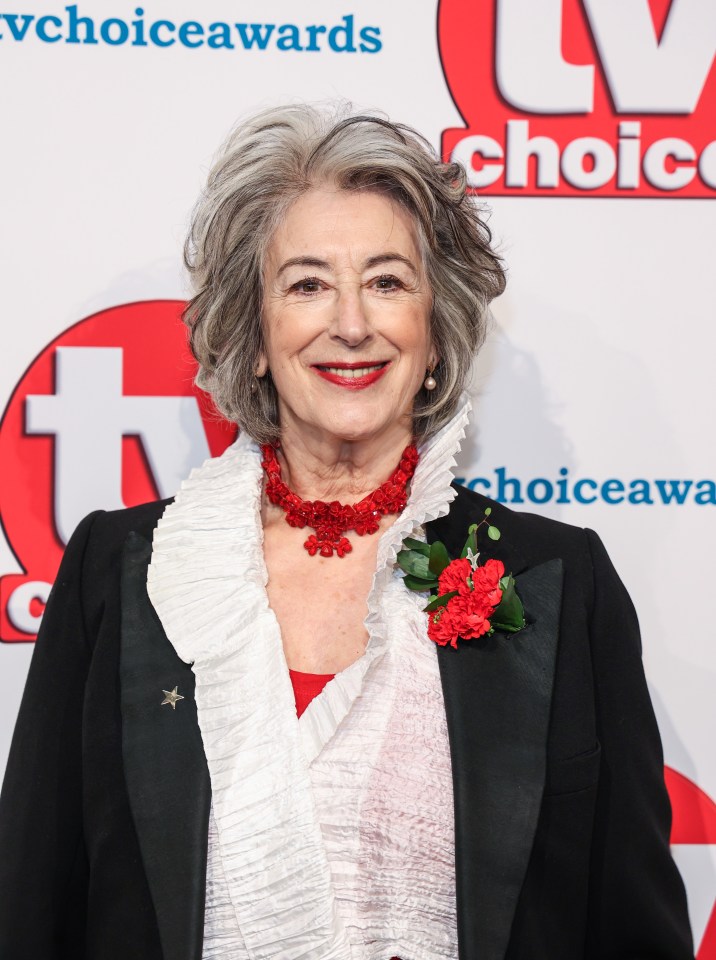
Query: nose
{"points": [[350, 321]]}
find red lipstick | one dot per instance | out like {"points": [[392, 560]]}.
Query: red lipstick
{"points": [[352, 381]]}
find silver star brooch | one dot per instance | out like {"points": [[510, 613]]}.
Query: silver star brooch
{"points": [[171, 697]]}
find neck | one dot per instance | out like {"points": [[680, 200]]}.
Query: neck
{"points": [[329, 468]]}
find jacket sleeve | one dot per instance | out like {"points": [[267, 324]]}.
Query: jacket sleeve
{"points": [[43, 868], [637, 897]]}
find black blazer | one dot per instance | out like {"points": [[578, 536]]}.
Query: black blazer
{"points": [[561, 815]]}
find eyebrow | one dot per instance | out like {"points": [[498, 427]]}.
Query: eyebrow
{"points": [[319, 264], [387, 258], [303, 262]]}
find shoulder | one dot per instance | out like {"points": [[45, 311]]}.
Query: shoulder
{"points": [[112, 527], [93, 556], [104, 532], [528, 540], [536, 538], [88, 583]]}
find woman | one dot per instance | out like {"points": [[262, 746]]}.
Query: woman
{"points": [[498, 799]]}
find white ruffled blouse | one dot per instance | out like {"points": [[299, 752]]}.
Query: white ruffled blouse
{"points": [[331, 836]]}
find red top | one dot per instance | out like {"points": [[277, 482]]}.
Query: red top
{"points": [[306, 686]]}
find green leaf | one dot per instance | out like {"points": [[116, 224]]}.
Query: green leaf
{"points": [[507, 627], [509, 615], [488, 511], [471, 542], [418, 584], [493, 533], [510, 599], [410, 543], [440, 601], [414, 563], [439, 558]]}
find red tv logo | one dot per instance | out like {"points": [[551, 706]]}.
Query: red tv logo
{"points": [[107, 416], [612, 98], [693, 844]]}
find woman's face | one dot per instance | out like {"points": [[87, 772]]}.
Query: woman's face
{"points": [[346, 316]]}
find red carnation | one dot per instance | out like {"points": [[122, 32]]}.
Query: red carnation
{"points": [[443, 628], [471, 614], [486, 581], [468, 595], [455, 577], [466, 616]]}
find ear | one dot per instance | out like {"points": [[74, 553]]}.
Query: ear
{"points": [[261, 367]]}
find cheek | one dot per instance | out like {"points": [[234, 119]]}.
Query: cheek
{"points": [[282, 337], [416, 336]]}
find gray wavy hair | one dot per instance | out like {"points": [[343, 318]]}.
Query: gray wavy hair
{"points": [[269, 161]]}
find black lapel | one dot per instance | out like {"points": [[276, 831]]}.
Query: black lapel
{"points": [[165, 765], [498, 693]]}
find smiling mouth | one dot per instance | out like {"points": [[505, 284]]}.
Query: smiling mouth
{"points": [[351, 371], [352, 376]]}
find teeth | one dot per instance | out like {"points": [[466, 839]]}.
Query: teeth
{"points": [[358, 372]]}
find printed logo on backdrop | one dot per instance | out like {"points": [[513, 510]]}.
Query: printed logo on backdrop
{"points": [[582, 97], [138, 28], [693, 845], [505, 486], [107, 416]]}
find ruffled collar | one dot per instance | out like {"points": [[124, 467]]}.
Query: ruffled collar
{"points": [[207, 582], [430, 497], [210, 538]]}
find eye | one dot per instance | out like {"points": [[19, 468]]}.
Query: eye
{"points": [[307, 286], [387, 282]]}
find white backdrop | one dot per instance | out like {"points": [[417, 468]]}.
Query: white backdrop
{"points": [[600, 363]]}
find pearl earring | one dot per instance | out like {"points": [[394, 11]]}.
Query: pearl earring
{"points": [[430, 382], [255, 381]]}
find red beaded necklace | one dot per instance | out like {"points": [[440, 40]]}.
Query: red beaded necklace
{"points": [[332, 520]]}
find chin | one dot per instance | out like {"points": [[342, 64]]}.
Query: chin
{"points": [[348, 420], [352, 431], [361, 426]]}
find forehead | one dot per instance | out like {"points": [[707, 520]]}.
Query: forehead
{"points": [[333, 224]]}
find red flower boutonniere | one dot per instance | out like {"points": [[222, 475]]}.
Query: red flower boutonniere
{"points": [[467, 599]]}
